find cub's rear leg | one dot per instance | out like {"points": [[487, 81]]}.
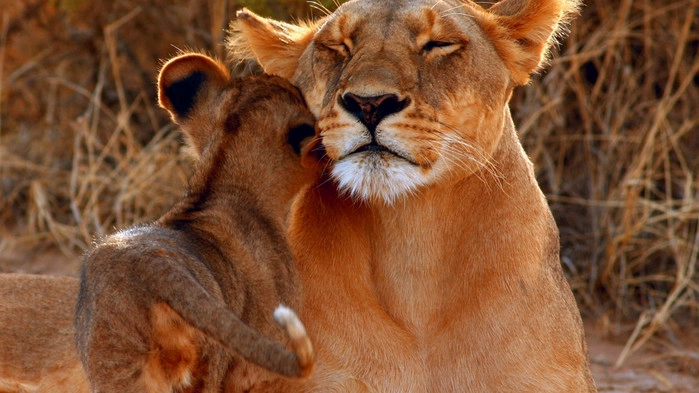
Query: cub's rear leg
{"points": [[174, 356], [161, 354], [130, 340]]}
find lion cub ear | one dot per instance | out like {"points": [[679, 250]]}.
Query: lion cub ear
{"points": [[523, 31], [185, 85], [182, 80], [276, 45]]}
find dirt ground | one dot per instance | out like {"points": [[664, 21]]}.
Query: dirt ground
{"points": [[653, 369], [674, 370]]}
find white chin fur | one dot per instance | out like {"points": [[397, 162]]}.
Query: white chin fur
{"points": [[377, 179]]}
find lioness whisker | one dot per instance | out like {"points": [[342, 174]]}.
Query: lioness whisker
{"points": [[461, 160], [456, 14], [445, 11], [436, 3], [317, 5], [456, 138], [476, 156]]}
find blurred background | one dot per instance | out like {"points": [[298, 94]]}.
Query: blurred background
{"points": [[612, 125]]}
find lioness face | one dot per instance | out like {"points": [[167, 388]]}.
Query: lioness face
{"points": [[405, 95], [408, 93]]}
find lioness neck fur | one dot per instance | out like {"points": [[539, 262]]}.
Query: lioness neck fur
{"points": [[218, 262], [428, 227]]}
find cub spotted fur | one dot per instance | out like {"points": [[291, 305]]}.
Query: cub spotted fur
{"points": [[176, 305], [429, 227], [37, 353]]}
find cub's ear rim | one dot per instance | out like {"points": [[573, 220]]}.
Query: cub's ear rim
{"points": [[313, 155], [179, 96], [184, 77]]}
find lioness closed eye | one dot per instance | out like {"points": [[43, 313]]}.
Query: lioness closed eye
{"points": [[429, 227], [176, 304]]}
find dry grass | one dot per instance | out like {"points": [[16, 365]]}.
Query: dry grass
{"points": [[83, 147], [613, 127]]}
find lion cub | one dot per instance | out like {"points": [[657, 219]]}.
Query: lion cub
{"points": [[178, 304]]}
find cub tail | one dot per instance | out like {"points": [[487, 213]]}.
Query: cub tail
{"points": [[209, 314], [290, 322]]}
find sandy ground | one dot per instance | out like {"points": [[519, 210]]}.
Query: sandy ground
{"points": [[674, 369]]}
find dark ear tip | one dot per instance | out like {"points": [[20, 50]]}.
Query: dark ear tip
{"points": [[298, 135], [182, 79], [246, 16], [182, 93]]}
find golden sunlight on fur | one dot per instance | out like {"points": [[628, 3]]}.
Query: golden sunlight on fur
{"points": [[428, 255], [186, 304], [37, 353]]}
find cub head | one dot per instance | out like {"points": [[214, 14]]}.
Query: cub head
{"points": [[251, 130], [408, 93]]}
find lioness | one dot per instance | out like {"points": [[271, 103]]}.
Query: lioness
{"points": [[157, 301], [428, 254], [37, 353]]}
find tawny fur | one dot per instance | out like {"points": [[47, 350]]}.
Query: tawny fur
{"points": [[178, 304], [37, 354], [428, 254]]}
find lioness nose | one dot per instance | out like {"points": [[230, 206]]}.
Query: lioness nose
{"points": [[371, 110]]}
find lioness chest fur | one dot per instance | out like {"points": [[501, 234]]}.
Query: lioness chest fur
{"points": [[177, 305], [428, 254]]}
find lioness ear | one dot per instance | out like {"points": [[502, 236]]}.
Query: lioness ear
{"points": [[276, 45], [523, 31], [184, 85]]}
